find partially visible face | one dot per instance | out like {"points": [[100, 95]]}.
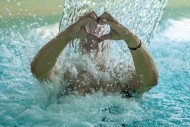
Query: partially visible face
{"points": [[95, 29]]}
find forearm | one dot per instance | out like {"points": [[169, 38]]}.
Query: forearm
{"points": [[45, 59], [144, 65]]}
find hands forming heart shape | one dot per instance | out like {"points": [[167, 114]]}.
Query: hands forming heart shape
{"points": [[117, 31]]}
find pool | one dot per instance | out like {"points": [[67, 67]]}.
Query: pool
{"points": [[24, 102]]}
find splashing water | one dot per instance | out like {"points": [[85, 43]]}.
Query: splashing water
{"points": [[141, 17], [23, 103]]}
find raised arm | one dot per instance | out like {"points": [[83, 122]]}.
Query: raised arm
{"points": [[146, 73], [46, 57]]}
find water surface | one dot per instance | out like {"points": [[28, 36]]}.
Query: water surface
{"points": [[24, 102]]}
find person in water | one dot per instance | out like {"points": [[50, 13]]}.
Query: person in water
{"points": [[141, 80]]}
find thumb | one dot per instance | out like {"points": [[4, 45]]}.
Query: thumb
{"points": [[105, 37], [93, 37]]}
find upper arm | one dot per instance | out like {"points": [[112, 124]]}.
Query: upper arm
{"points": [[42, 76], [137, 86]]}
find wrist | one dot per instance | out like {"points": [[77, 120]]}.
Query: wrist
{"points": [[68, 34], [137, 47], [132, 40]]}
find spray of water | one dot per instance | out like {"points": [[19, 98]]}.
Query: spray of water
{"points": [[140, 17], [19, 104]]}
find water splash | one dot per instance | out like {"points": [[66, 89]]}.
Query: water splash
{"points": [[23, 103], [141, 17]]}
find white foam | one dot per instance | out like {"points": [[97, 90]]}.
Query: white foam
{"points": [[45, 32], [177, 31]]}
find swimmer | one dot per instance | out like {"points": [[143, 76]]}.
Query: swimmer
{"points": [[141, 80]]}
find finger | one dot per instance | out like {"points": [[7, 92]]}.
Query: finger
{"points": [[111, 24], [83, 29], [93, 37], [105, 37], [89, 17], [96, 17], [91, 14], [108, 17], [82, 32], [84, 21], [105, 15], [95, 14]]}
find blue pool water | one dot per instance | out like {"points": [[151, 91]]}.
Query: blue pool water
{"points": [[24, 102]]}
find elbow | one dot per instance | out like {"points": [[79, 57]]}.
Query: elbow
{"points": [[155, 78], [153, 81], [35, 71], [149, 83]]}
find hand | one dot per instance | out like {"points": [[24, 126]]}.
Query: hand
{"points": [[78, 29], [117, 31]]}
